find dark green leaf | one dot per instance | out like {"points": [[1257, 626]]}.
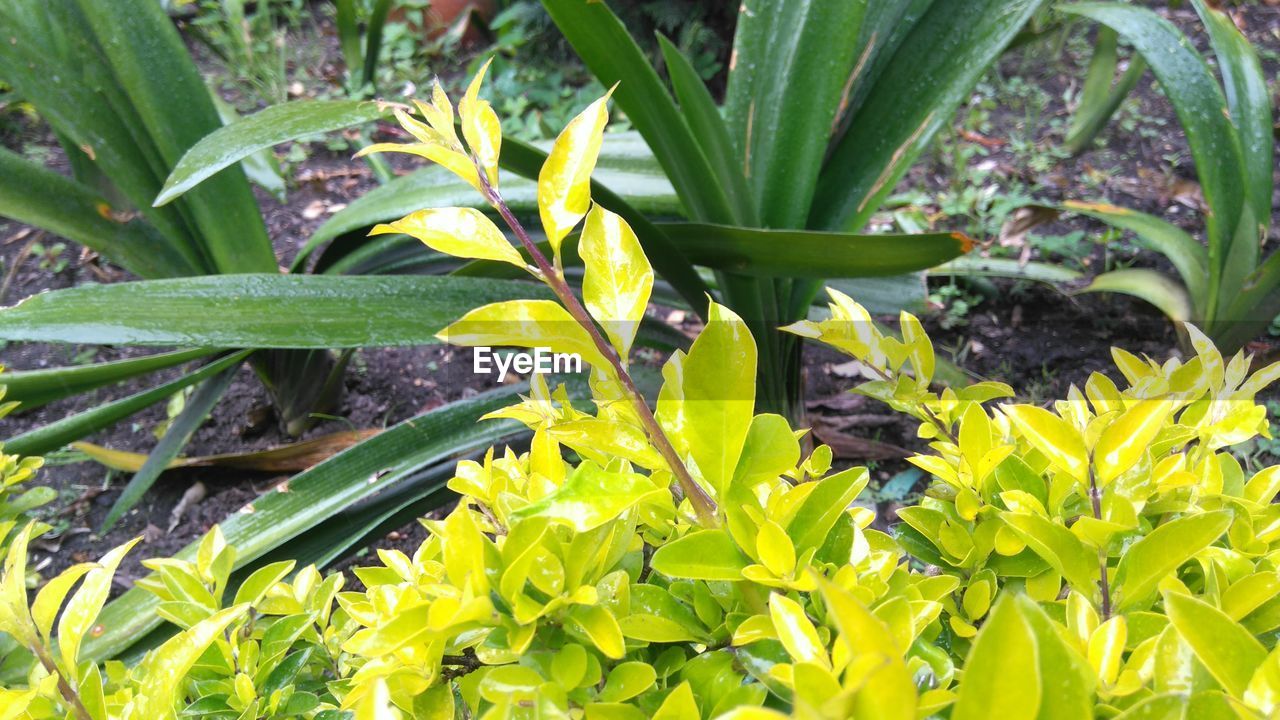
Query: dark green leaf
{"points": [[262, 311], [932, 71], [59, 433], [34, 388]]}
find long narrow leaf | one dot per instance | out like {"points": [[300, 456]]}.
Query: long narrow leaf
{"points": [[1201, 108], [347, 480], [54, 435], [1249, 101], [699, 108], [1158, 289], [150, 62], [293, 457], [606, 47], [1189, 257], [277, 124], [34, 388], [258, 311], [803, 64], [1099, 99], [175, 438], [932, 71], [41, 197]]}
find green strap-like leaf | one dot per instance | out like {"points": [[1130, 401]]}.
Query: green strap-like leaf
{"points": [[175, 438], [163, 86], [34, 388], [804, 63], [1155, 287], [604, 45], [349, 481], [1188, 256], [41, 197], [1099, 99], [1202, 110], [54, 435], [932, 71], [1250, 103], [277, 124], [258, 311], [699, 108]]}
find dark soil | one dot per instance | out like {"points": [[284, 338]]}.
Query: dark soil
{"points": [[1038, 339]]}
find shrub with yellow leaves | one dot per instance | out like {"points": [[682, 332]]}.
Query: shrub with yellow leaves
{"points": [[1105, 558]]}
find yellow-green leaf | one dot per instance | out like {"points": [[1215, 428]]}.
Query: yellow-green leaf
{"points": [[481, 127], [1002, 675], [774, 549], [591, 497], [705, 406], [1124, 441], [796, 631], [618, 277], [1059, 547], [564, 182], [1106, 648], [626, 681], [1227, 650], [1052, 436], [83, 608], [1162, 551], [461, 232], [701, 555], [600, 627], [524, 323], [49, 600], [889, 693]]}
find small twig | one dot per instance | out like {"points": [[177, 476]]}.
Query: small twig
{"points": [[455, 666], [1095, 498], [64, 688], [929, 415], [18, 259], [701, 501]]}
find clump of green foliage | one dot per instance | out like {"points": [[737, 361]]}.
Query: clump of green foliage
{"points": [[1103, 558]]}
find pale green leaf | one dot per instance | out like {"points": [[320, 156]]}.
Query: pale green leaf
{"points": [[701, 555], [564, 182], [458, 231], [618, 277], [1162, 551], [591, 497]]}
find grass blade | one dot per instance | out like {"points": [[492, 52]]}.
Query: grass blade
{"points": [[34, 388], [55, 435], [175, 438]]}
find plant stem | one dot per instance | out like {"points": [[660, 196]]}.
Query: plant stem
{"points": [[64, 688], [702, 503], [1095, 498], [928, 414]]}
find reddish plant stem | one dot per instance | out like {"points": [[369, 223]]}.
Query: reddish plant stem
{"points": [[64, 688], [1095, 499], [702, 503]]}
